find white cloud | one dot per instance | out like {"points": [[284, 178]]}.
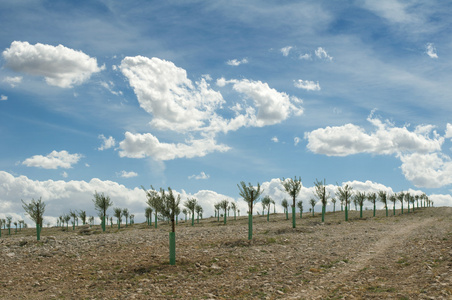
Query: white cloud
{"points": [[64, 174], [147, 145], [13, 81], [275, 139], [386, 139], [296, 140], [164, 91], [272, 106], [53, 160], [431, 50], [430, 170], [235, 62], [448, 131], [305, 56], [307, 85], [106, 143], [125, 174], [286, 50], [202, 175], [59, 65], [322, 54], [179, 105], [3, 98]]}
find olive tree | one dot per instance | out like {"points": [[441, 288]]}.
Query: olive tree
{"points": [[292, 187], [148, 215], [250, 194], [224, 204], [101, 204], [400, 196], [35, 209], [300, 207], [393, 199], [199, 210], [266, 201], [169, 208], [345, 194], [154, 200], [360, 198], [322, 195], [372, 197], [234, 208], [82, 215], [382, 195], [125, 214], [312, 202], [73, 215], [190, 204], [285, 205], [118, 215]]}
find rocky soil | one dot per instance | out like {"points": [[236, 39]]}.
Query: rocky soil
{"points": [[405, 256]]}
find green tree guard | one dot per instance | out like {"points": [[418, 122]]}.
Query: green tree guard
{"points": [[172, 248], [294, 225], [250, 226]]}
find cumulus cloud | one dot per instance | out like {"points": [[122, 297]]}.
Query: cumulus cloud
{"points": [[235, 62], [178, 104], [275, 139], [164, 91], [13, 81], [64, 174], [202, 175], [307, 85], [3, 98], [107, 143], [59, 65], [147, 145], [53, 160], [430, 170], [286, 50], [386, 139], [296, 140], [448, 131], [272, 106], [322, 54], [125, 174], [431, 50]]}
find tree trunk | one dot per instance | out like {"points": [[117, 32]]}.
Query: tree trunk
{"points": [[323, 213]]}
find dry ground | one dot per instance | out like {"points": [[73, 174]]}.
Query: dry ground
{"points": [[405, 256]]}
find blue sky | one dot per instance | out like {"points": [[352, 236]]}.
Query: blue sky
{"points": [[199, 95]]}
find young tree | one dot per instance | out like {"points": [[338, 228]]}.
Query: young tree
{"points": [[382, 195], [250, 194], [292, 187], [73, 215], [101, 204], [148, 215], [322, 195], [185, 212], [360, 198], [234, 208], [266, 204], [345, 193], [35, 209], [300, 207], [407, 200], [400, 196], [15, 224], [217, 207], [190, 204], [125, 213], [372, 197], [170, 203], [118, 215], [285, 205], [154, 200], [393, 199], [198, 209], [67, 218], [132, 219], [312, 202], [333, 200], [8, 220], [224, 206], [412, 199]]}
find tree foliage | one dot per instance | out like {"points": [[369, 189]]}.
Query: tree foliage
{"points": [[35, 209]]}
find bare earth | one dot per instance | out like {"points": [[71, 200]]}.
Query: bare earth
{"points": [[405, 256]]}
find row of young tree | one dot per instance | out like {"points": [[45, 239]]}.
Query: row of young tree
{"points": [[165, 206]]}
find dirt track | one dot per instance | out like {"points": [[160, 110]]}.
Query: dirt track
{"points": [[398, 257]]}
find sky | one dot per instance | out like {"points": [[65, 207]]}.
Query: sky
{"points": [[109, 96]]}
